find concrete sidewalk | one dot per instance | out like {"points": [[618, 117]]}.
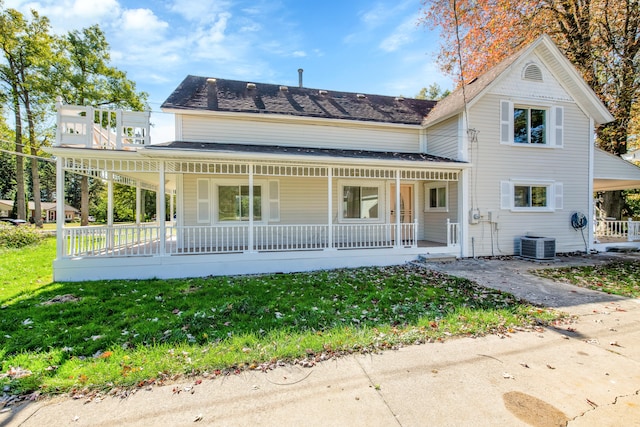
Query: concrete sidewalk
{"points": [[583, 374]]}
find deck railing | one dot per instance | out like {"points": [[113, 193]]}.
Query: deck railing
{"points": [[144, 239], [628, 230], [102, 128]]}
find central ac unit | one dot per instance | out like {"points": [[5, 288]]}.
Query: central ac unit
{"points": [[537, 247]]}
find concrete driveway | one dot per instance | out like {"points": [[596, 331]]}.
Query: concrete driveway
{"points": [[582, 374]]}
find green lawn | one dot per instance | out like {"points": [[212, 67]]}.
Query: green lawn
{"points": [[58, 337], [618, 278]]}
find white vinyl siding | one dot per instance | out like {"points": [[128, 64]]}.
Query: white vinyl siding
{"points": [[495, 163], [443, 139], [208, 128], [433, 226]]}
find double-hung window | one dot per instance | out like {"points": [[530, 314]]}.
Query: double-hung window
{"points": [[436, 198], [360, 202], [531, 125], [233, 203], [530, 196]]}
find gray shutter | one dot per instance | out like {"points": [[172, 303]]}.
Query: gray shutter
{"points": [[506, 195], [506, 122], [274, 201], [559, 195], [557, 126], [203, 201]]}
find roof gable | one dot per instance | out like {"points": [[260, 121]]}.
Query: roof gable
{"points": [[555, 62], [221, 95]]}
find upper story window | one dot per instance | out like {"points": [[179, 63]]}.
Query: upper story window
{"points": [[531, 125]]}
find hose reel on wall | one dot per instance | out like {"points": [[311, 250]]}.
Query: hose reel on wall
{"points": [[579, 221]]}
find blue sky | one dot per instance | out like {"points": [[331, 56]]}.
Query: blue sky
{"points": [[365, 46]]}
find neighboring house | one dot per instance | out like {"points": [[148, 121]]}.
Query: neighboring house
{"points": [[49, 210], [270, 178]]}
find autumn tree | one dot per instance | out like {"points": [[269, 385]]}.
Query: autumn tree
{"points": [[600, 37]]}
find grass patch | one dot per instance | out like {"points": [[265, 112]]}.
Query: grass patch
{"points": [[617, 278], [59, 337]]}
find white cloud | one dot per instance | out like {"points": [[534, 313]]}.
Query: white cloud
{"points": [[66, 15], [299, 54], [403, 34], [142, 22]]}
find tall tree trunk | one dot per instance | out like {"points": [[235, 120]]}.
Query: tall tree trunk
{"points": [[35, 176], [21, 208], [612, 204], [84, 200]]}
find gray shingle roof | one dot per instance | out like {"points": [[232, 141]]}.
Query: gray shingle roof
{"points": [[297, 151], [202, 93]]}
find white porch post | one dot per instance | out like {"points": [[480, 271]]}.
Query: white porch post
{"points": [[171, 206], [329, 208], [250, 244], [591, 213], [60, 238], [161, 214], [110, 230], [398, 242], [138, 202]]}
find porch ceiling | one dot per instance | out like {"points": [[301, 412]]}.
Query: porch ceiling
{"points": [[613, 173]]}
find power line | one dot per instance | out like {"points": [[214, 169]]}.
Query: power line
{"points": [[31, 156]]}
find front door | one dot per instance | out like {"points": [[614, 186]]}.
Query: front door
{"points": [[406, 208]]}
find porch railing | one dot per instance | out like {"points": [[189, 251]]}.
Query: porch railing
{"points": [[628, 230], [120, 240], [102, 128], [141, 240], [453, 234]]}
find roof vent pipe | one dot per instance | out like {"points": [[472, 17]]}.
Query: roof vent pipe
{"points": [[300, 70]]}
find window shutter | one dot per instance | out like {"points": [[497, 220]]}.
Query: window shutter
{"points": [[274, 201], [506, 122], [559, 195], [203, 201], [506, 197], [557, 126]]}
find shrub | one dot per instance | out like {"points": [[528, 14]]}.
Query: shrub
{"points": [[17, 237]]}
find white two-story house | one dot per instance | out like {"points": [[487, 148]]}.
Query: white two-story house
{"points": [[269, 178]]}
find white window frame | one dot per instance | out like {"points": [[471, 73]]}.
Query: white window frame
{"points": [[554, 124], [264, 195], [554, 195], [361, 183], [427, 196]]}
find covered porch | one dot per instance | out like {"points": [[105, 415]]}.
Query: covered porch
{"points": [[288, 213], [612, 173]]}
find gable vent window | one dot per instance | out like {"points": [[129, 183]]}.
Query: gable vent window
{"points": [[532, 72]]}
